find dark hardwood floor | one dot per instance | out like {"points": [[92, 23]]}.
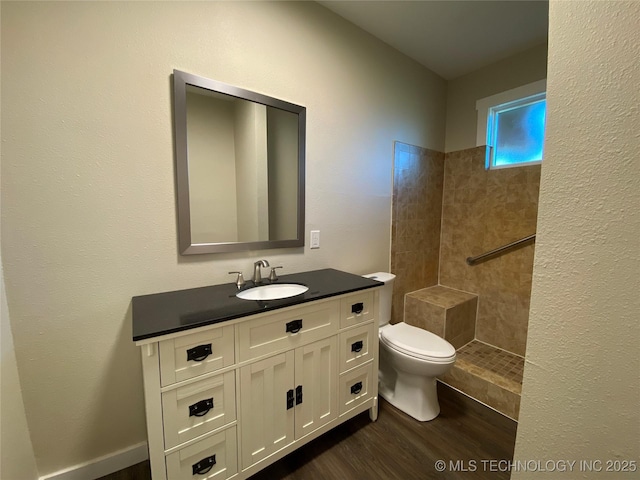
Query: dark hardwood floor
{"points": [[467, 436], [141, 471]]}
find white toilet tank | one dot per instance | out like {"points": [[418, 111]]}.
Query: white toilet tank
{"points": [[386, 294]]}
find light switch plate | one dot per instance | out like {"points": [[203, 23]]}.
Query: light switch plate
{"points": [[315, 238]]}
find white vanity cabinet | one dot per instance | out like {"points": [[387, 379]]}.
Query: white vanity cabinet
{"points": [[228, 399], [285, 397]]}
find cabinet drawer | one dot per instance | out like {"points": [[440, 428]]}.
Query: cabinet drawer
{"points": [[213, 457], [356, 308], [198, 408], [192, 355], [356, 347], [272, 333], [356, 387]]}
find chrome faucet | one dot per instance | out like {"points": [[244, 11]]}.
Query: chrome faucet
{"points": [[257, 271]]}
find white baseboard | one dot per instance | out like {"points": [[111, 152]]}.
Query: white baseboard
{"points": [[102, 466]]}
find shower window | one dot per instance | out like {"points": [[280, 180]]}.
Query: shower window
{"points": [[514, 124]]}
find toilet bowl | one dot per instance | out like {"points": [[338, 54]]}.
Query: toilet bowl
{"points": [[410, 360]]}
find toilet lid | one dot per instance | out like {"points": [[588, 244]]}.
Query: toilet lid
{"points": [[417, 342]]}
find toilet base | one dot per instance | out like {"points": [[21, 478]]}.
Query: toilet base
{"points": [[415, 395]]}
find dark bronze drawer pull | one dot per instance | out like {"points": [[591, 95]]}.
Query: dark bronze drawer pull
{"points": [[201, 408], [294, 326], [357, 346], [204, 466], [298, 394], [357, 308], [289, 399], [199, 353], [356, 388]]}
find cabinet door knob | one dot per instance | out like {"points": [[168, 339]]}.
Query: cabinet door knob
{"points": [[204, 466], [199, 353], [356, 388], [201, 408], [298, 394], [357, 346], [357, 308]]}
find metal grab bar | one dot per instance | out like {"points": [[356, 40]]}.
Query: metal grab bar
{"points": [[499, 250]]}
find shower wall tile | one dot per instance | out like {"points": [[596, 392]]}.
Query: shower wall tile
{"points": [[449, 313], [416, 219], [442, 296], [425, 315], [460, 326], [481, 210]]}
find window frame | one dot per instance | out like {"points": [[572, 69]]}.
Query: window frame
{"points": [[488, 108]]}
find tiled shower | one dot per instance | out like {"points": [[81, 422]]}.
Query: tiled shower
{"points": [[447, 207]]}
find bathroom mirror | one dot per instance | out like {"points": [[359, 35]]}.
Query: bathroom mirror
{"points": [[239, 166]]}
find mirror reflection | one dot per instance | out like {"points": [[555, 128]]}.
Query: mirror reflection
{"points": [[240, 166]]}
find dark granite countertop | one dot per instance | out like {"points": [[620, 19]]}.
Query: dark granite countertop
{"points": [[163, 313]]}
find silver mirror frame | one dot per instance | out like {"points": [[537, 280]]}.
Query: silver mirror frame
{"points": [[180, 82]]}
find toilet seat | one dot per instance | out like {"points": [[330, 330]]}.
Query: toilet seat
{"points": [[417, 343]]}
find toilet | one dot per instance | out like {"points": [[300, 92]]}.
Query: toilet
{"points": [[410, 360]]}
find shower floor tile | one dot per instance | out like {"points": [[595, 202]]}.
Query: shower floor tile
{"points": [[490, 375], [492, 364]]}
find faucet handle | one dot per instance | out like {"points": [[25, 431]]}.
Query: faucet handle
{"points": [[239, 279], [272, 276]]}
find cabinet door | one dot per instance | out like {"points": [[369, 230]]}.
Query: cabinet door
{"points": [[316, 372], [267, 422]]}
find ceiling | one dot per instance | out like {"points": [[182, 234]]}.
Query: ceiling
{"points": [[451, 38]]}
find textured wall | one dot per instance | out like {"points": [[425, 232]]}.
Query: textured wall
{"points": [[415, 228], [581, 377], [88, 200], [482, 210]]}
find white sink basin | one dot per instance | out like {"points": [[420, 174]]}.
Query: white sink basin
{"points": [[275, 291]]}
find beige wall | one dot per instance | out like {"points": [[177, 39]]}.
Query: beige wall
{"points": [[88, 200], [17, 459], [463, 92], [581, 378]]}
